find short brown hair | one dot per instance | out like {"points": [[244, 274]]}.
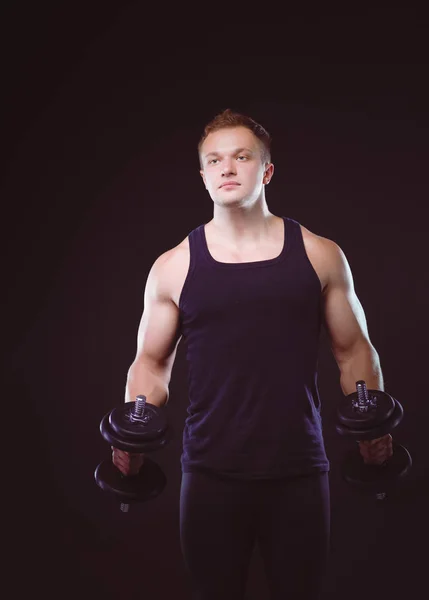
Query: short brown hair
{"points": [[229, 119]]}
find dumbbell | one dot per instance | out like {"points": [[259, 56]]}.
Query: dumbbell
{"points": [[368, 415], [140, 428]]}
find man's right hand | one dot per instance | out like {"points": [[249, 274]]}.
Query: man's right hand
{"points": [[127, 462]]}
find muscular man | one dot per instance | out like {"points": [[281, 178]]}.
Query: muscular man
{"points": [[249, 292]]}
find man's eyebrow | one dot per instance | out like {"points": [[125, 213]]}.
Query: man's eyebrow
{"points": [[234, 152]]}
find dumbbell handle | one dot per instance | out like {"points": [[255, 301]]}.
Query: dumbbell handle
{"points": [[363, 400], [136, 414], [137, 411]]}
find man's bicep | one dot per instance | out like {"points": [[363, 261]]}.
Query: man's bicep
{"points": [[344, 316]]}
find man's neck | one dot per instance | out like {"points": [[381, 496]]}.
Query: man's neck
{"points": [[241, 230]]}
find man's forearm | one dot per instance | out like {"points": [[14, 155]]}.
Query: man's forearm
{"points": [[142, 380], [362, 364]]}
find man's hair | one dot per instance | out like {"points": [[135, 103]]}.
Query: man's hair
{"points": [[228, 119]]}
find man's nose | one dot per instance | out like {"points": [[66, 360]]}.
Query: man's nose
{"points": [[228, 167]]}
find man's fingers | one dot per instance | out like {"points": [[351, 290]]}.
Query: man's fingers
{"points": [[384, 439], [125, 455], [128, 463], [377, 457], [127, 468], [120, 464]]}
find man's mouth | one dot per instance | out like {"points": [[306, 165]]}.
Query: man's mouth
{"points": [[228, 183]]}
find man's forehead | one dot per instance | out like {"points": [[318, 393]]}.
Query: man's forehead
{"points": [[227, 140], [233, 150]]}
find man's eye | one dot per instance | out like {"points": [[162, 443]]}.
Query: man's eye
{"points": [[212, 160], [244, 157]]}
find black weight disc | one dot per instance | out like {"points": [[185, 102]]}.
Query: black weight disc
{"points": [[132, 444], [373, 433], [153, 426], [376, 415], [376, 478], [148, 484]]}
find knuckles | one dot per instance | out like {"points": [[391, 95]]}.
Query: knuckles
{"points": [[127, 463], [376, 451]]}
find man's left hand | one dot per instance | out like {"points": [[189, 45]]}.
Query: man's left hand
{"points": [[376, 452]]}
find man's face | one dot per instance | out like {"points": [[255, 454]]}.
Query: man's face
{"points": [[233, 169]]}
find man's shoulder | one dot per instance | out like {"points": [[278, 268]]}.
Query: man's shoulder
{"points": [[172, 255], [171, 268], [321, 245], [177, 254], [326, 256]]}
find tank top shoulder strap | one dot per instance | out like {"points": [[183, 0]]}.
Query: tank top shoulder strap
{"points": [[197, 248], [294, 239]]}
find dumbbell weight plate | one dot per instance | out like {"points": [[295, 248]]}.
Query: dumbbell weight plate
{"points": [[132, 444], [153, 427], [351, 417], [376, 478], [373, 432], [146, 485]]}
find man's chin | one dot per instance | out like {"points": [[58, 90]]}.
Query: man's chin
{"points": [[232, 200]]}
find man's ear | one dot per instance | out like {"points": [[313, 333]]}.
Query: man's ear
{"points": [[269, 171], [204, 178]]}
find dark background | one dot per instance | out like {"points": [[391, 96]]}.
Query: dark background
{"points": [[103, 107]]}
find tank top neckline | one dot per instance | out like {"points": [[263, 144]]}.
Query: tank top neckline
{"points": [[251, 264]]}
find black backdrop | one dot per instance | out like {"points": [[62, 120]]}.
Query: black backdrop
{"points": [[103, 110]]}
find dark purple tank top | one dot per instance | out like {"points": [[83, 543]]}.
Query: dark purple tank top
{"points": [[251, 332]]}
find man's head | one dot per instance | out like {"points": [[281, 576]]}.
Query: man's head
{"points": [[235, 149], [229, 119]]}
